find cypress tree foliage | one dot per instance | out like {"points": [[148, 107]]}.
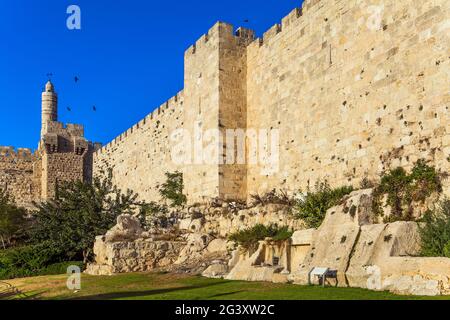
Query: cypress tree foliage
{"points": [[13, 220], [80, 212]]}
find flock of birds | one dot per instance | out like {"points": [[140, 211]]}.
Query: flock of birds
{"points": [[76, 80]]}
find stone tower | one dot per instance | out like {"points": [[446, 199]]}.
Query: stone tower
{"points": [[49, 107], [216, 95], [64, 153]]}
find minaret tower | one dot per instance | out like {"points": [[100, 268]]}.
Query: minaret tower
{"points": [[49, 107]]}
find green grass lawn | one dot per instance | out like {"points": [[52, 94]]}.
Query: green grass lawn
{"points": [[155, 286]]}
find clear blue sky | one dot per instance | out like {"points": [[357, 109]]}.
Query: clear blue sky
{"points": [[128, 56]]}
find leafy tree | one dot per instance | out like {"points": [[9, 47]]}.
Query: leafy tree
{"points": [[435, 231], [172, 189], [313, 206], [80, 212], [13, 220]]}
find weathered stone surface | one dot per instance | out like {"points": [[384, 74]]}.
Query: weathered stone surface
{"points": [[336, 238], [128, 228], [216, 271], [63, 155], [303, 237], [374, 256], [366, 255], [389, 109], [253, 268], [218, 245], [195, 247], [132, 256]]}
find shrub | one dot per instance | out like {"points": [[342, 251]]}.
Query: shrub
{"points": [[13, 220], [80, 212], [249, 238], [403, 190], [172, 189], [435, 231], [28, 260], [312, 207], [273, 197]]}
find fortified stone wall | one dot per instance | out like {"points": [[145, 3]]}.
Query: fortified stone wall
{"points": [[63, 155], [354, 88], [140, 157], [351, 100], [16, 175]]}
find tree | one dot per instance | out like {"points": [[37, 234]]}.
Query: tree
{"points": [[12, 219], [80, 212], [172, 189]]}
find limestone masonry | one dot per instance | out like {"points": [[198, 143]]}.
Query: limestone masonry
{"points": [[354, 87], [63, 155], [349, 97]]}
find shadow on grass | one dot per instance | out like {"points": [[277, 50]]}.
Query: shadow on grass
{"points": [[225, 294], [141, 294]]}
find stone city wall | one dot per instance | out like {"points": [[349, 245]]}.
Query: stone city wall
{"points": [[16, 175], [354, 88], [140, 157], [352, 98]]}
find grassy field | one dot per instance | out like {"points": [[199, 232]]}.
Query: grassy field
{"points": [[181, 287]]}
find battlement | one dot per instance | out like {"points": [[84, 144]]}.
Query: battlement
{"points": [[74, 130], [13, 153], [221, 30], [170, 104], [294, 17]]}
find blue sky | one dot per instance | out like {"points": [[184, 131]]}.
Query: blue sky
{"points": [[128, 56]]}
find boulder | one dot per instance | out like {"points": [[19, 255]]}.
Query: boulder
{"points": [[128, 228], [218, 245], [195, 247], [217, 271]]}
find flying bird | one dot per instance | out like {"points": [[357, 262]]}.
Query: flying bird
{"points": [[94, 108], [69, 109], [246, 21], [76, 79]]}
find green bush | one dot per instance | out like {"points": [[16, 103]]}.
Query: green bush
{"points": [[312, 207], [249, 238], [29, 261], [435, 232], [13, 222], [172, 189], [80, 212], [403, 190]]}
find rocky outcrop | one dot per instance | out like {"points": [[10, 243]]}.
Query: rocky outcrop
{"points": [[373, 256], [223, 219], [128, 228], [350, 241], [365, 254], [132, 256]]}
